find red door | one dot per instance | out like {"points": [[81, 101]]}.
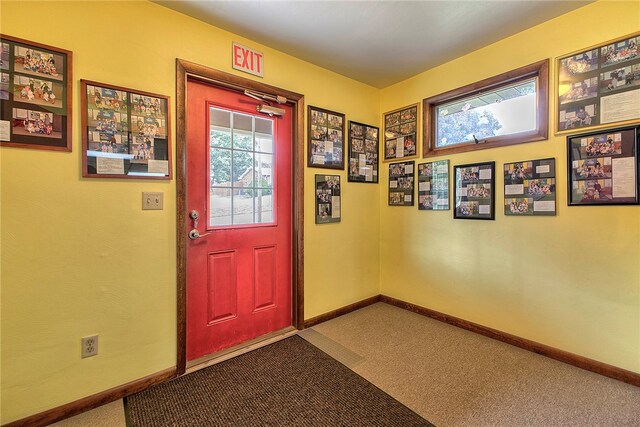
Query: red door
{"points": [[239, 201]]}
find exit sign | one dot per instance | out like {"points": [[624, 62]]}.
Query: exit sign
{"points": [[248, 60]]}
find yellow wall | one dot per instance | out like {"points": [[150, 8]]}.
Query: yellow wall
{"points": [[570, 281], [80, 257]]}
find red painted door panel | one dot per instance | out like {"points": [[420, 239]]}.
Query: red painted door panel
{"points": [[239, 182]]}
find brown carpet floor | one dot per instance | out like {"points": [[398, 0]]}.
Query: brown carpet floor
{"points": [[289, 383]]}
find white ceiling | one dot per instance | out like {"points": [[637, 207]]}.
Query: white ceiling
{"points": [[376, 42]]}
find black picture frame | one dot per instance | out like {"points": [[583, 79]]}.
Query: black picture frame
{"points": [[364, 152], [36, 95], [401, 183], [401, 133], [602, 167], [433, 186], [325, 145], [596, 87], [530, 188], [479, 178], [328, 198]]}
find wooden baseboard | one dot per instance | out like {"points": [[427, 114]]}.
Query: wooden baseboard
{"points": [[90, 402], [542, 349], [341, 311]]}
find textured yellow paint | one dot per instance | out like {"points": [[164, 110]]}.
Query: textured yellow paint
{"points": [[80, 257], [570, 281]]}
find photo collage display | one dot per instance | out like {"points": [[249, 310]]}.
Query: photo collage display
{"points": [[126, 132], [400, 133], [327, 199], [530, 187], [401, 184], [363, 152], [33, 96], [433, 185], [599, 85], [474, 191], [326, 139], [603, 167]]}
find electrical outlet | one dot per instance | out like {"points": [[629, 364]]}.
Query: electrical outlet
{"points": [[151, 201], [89, 346]]}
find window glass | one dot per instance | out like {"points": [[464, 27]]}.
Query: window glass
{"points": [[503, 111], [510, 108], [241, 169]]}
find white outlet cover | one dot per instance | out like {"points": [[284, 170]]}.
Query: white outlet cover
{"points": [[89, 346]]}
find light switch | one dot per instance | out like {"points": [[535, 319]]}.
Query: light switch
{"points": [[152, 201]]}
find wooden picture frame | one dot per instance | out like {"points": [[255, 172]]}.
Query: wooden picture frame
{"points": [[328, 198], [474, 192], [126, 133], [602, 167], [530, 188], [364, 149], [433, 186], [401, 183], [598, 86], [325, 146], [401, 132], [36, 93]]}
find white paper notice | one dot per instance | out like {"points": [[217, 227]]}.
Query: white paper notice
{"points": [[368, 176], [393, 184], [623, 174], [485, 174], [407, 198], [424, 186], [159, 166], [362, 161], [484, 209], [107, 165], [544, 206], [623, 106], [442, 169], [328, 146], [335, 206], [463, 191], [514, 189], [5, 130], [408, 169], [318, 159], [543, 169], [400, 147]]}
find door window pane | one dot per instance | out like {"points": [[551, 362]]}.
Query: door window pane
{"points": [[241, 169], [264, 206], [243, 206], [242, 140], [220, 118], [220, 137], [263, 173], [220, 206], [220, 170]]}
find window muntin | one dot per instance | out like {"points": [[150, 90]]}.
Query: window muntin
{"points": [[510, 108], [241, 169]]}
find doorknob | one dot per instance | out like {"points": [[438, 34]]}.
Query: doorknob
{"points": [[195, 234]]}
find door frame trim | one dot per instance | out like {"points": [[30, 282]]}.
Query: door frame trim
{"points": [[184, 71]]}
